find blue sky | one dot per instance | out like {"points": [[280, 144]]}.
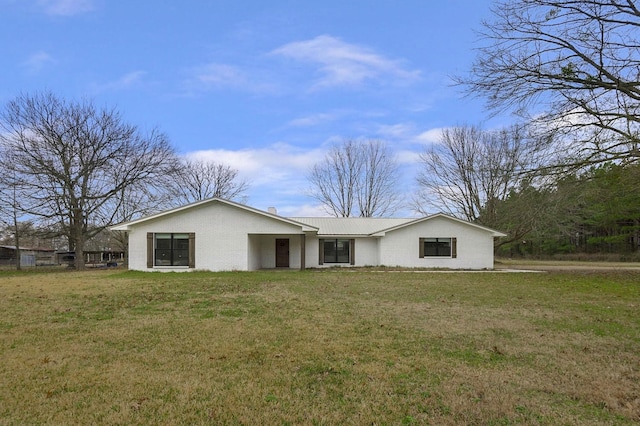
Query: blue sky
{"points": [[264, 86]]}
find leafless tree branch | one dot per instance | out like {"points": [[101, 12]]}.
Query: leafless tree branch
{"points": [[76, 160], [570, 67], [357, 178]]}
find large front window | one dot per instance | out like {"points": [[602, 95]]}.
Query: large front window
{"points": [[336, 251], [171, 250], [437, 247]]}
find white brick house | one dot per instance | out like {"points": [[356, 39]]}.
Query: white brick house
{"points": [[221, 235]]}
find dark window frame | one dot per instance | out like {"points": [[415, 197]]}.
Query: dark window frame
{"points": [[336, 258], [438, 247], [178, 253]]}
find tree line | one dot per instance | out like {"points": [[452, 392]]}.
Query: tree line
{"points": [[569, 71], [595, 211]]}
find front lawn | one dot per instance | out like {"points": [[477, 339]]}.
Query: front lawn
{"points": [[320, 347]]}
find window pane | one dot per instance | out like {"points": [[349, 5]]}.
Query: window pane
{"points": [[430, 248], [330, 251], [444, 247], [172, 250], [163, 257], [342, 251], [437, 247], [163, 241], [181, 257], [181, 244], [336, 251]]}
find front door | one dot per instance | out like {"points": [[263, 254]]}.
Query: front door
{"points": [[282, 252]]}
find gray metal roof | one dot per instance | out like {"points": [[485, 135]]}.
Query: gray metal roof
{"points": [[351, 226]]}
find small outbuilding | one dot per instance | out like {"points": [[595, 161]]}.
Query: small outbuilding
{"points": [[221, 235], [29, 256]]}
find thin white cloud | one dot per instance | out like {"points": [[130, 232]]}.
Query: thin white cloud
{"points": [[219, 76], [216, 76], [37, 61], [312, 120], [66, 7], [128, 81], [267, 165], [304, 210], [341, 114], [408, 158], [430, 136], [276, 174], [396, 131], [345, 64]]}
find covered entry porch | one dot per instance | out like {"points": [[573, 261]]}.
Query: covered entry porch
{"points": [[286, 251]]}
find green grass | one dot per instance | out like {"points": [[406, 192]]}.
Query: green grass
{"points": [[319, 347]]}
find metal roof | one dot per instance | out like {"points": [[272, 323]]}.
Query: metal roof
{"points": [[376, 227], [27, 248], [352, 226], [324, 226]]}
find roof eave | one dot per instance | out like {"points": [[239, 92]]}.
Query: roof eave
{"points": [[127, 226], [493, 232], [342, 235]]}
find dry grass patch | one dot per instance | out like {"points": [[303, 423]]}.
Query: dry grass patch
{"points": [[319, 347]]}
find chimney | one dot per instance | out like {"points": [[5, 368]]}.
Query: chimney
{"points": [[272, 210]]}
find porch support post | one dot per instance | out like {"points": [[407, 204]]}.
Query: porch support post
{"points": [[303, 248]]}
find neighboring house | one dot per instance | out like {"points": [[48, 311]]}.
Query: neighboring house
{"points": [[28, 256], [221, 235]]}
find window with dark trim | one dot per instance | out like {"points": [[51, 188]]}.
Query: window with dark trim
{"points": [[336, 251], [438, 247], [171, 249]]}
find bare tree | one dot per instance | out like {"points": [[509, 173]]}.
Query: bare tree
{"points": [[357, 178], [197, 180], [470, 169], [572, 67], [11, 203], [75, 160], [190, 181], [377, 192], [134, 201]]}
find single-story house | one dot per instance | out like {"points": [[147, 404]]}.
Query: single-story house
{"points": [[221, 235]]}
